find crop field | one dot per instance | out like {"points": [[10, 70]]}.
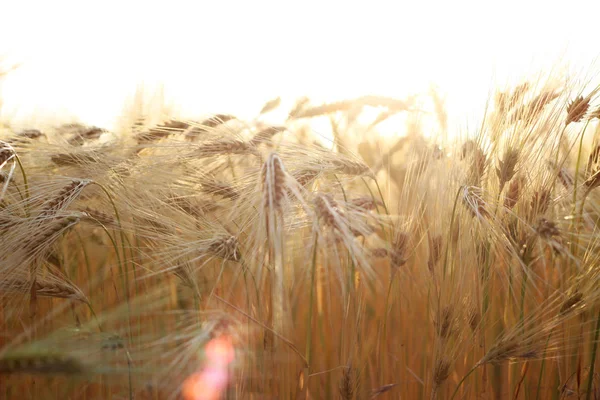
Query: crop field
{"points": [[314, 258]]}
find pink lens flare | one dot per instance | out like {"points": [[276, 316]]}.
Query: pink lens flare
{"points": [[210, 382], [220, 350]]}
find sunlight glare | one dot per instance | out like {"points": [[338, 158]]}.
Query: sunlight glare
{"points": [[83, 62]]}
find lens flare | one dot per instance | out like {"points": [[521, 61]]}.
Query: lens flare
{"points": [[210, 382]]}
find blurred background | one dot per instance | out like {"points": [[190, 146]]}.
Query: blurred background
{"points": [[84, 61]]}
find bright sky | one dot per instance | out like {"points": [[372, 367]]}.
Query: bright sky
{"points": [[84, 58]]}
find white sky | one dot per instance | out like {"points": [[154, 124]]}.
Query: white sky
{"points": [[85, 58]]}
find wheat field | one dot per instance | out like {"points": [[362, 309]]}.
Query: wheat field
{"points": [[221, 258]]}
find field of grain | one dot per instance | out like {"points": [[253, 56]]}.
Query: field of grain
{"points": [[222, 258]]}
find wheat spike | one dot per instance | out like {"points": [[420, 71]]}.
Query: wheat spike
{"points": [[506, 169], [44, 288], [273, 183], [64, 198], [41, 363], [399, 250], [577, 109], [441, 372], [225, 247], [219, 188], [514, 192], [225, 146], [573, 301]]}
